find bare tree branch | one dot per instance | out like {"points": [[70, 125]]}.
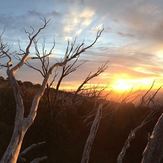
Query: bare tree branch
{"points": [[39, 159], [31, 147], [23, 123], [153, 153], [90, 76], [131, 136], [143, 101], [31, 37], [92, 135]]}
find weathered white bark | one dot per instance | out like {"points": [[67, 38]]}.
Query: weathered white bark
{"points": [[13, 149], [131, 136], [153, 152], [12, 152], [22, 123], [92, 135]]}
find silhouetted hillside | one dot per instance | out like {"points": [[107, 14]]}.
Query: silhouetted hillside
{"points": [[65, 133]]}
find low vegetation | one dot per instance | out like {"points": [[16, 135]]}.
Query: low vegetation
{"points": [[66, 134]]}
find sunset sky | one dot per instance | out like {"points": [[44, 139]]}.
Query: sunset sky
{"points": [[132, 39]]}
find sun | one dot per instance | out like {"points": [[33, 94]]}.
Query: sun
{"points": [[121, 85]]}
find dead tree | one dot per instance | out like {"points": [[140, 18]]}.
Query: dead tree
{"points": [[132, 134], [66, 70], [22, 123], [70, 67], [154, 149], [144, 98], [148, 118], [90, 76], [92, 135], [24, 153]]}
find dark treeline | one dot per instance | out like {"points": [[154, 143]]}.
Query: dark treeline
{"points": [[65, 133]]}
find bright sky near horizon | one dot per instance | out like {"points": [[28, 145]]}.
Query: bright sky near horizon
{"points": [[132, 40]]}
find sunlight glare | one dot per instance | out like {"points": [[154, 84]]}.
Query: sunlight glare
{"points": [[122, 85]]}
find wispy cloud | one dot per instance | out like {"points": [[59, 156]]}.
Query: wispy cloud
{"points": [[132, 39]]}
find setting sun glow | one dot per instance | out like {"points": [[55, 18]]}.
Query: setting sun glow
{"points": [[127, 84], [121, 85]]}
